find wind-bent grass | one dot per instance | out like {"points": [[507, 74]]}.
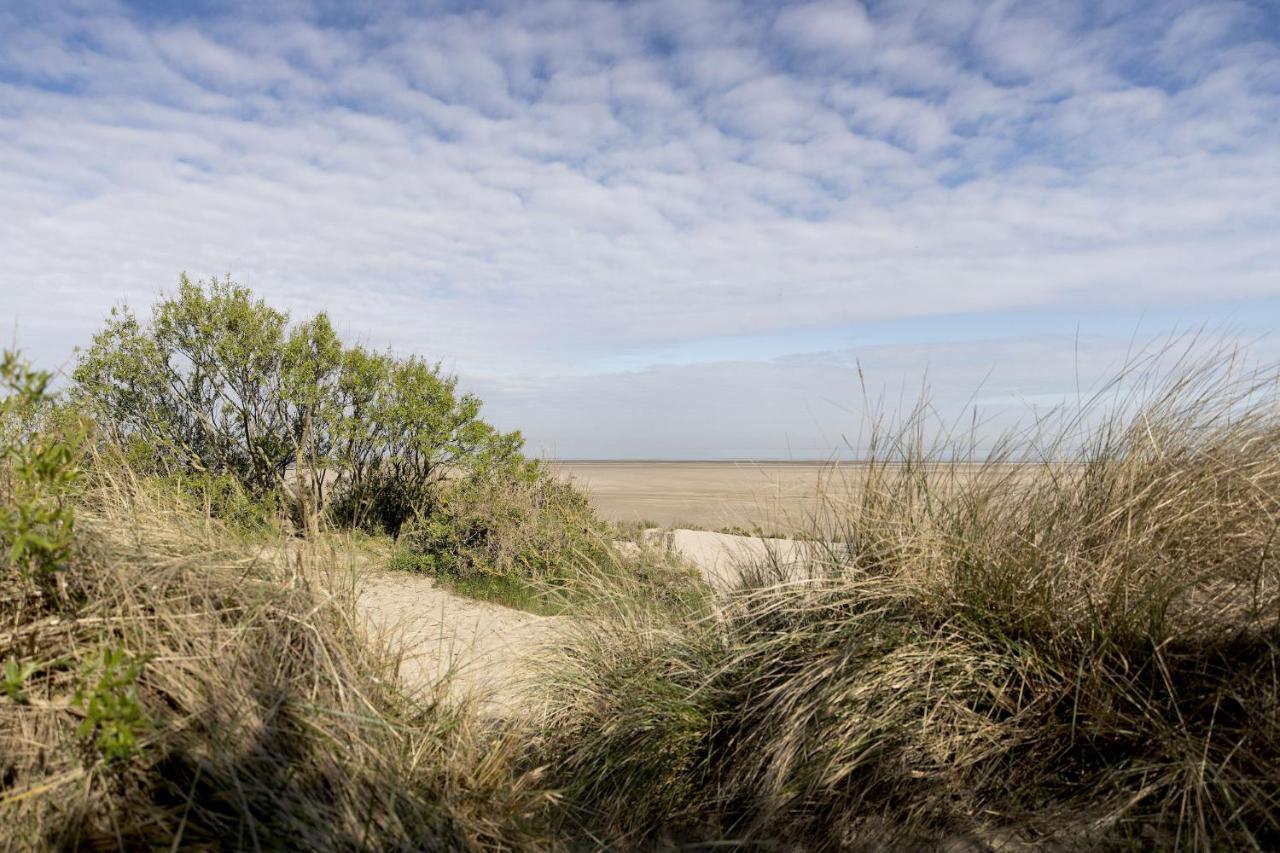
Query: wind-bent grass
{"points": [[1077, 641], [260, 713]]}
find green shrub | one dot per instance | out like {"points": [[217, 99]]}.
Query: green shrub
{"points": [[223, 497], [39, 467], [508, 520], [219, 384]]}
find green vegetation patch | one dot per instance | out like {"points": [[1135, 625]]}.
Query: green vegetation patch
{"points": [[220, 387]]}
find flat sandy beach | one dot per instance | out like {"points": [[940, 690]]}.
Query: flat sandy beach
{"points": [[705, 494], [775, 496]]}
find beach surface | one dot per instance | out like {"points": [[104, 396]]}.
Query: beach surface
{"points": [[713, 495]]}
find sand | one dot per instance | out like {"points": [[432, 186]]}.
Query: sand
{"points": [[714, 495], [776, 497], [484, 650], [721, 557]]}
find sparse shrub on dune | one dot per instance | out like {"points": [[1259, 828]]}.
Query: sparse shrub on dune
{"points": [[513, 518], [219, 386], [259, 420], [1077, 642], [510, 532]]}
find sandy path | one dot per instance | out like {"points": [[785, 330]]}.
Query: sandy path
{"points": [[484, 649], [489, 652]]}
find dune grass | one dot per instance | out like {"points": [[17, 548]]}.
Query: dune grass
{"points": [[193, 687], [1078, 643]]}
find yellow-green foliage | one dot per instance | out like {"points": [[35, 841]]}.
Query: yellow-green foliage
{"points": [[38, 453], [220, 385], [510, 520], [224, 497], [107, 697]]}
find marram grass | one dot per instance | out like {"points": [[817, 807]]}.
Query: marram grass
{"points": [[1074, 643], [262, 716]]}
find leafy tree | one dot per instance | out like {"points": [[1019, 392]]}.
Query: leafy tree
{"points": [[201, 385], [397, 441], [219, 383]]}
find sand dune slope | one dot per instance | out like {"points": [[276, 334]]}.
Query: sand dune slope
{"points": [[484, 649]]}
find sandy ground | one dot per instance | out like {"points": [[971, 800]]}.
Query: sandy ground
{"points": [[777, 497], [720, 557], [487, 652], [706, 494], [483, 648]]}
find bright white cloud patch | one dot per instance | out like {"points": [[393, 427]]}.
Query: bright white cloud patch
{"points": [[531, 190]]}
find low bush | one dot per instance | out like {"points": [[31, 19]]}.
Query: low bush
{"points": [[223, 497], [40, 447], [507, 520], [509, 533]]}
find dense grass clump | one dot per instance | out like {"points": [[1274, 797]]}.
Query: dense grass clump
{"points": [[1076, 639]]}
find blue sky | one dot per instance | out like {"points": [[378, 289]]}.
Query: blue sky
{"points": [[666, 228]]}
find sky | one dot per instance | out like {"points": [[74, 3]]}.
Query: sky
{"points": [[670, 229]]}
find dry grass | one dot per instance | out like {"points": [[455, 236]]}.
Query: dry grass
{"points": [[1078, 643], [1075, 642], [264, 717]]}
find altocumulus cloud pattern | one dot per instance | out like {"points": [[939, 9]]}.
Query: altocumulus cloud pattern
{"points": [[587, 205]]}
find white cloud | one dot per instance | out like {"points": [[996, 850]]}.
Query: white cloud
{"points": [[529, 189], [840, 27]]}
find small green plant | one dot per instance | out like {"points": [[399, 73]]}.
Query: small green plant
{"points": [[108, 697], [15, 679]]}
